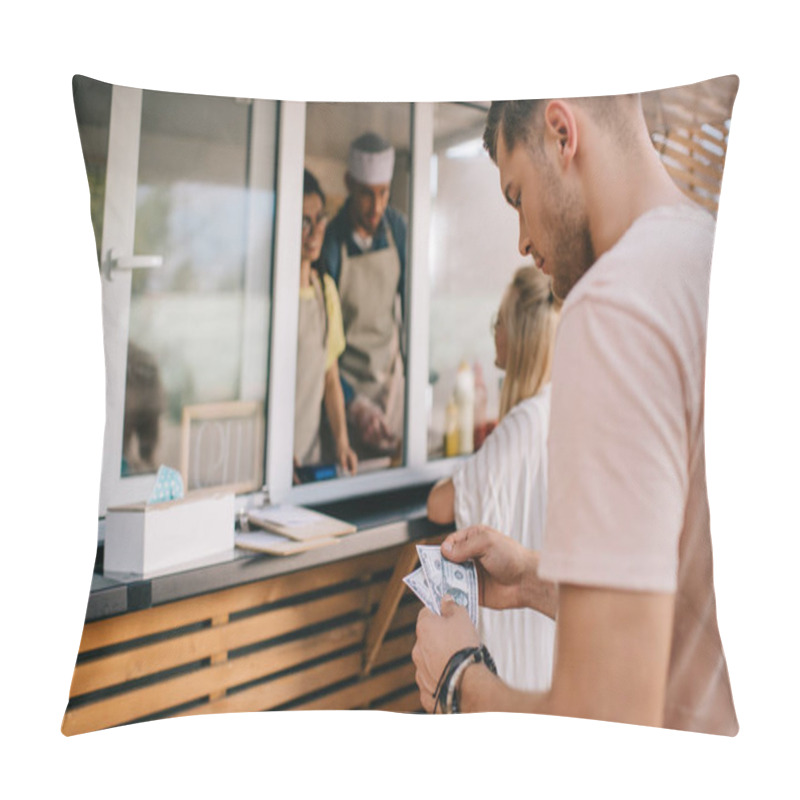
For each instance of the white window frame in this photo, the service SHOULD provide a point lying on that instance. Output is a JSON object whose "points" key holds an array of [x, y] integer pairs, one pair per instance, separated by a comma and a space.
{"points": [[119, 213], [119, 219], [416, 469]]}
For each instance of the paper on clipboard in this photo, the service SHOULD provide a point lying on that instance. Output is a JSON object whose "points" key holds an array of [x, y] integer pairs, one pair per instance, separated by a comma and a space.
{"points": [[277, 545], [300, 524]]}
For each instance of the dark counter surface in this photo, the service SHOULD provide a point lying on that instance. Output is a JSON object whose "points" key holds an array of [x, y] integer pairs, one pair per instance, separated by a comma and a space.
{"points": [[383, 521]]}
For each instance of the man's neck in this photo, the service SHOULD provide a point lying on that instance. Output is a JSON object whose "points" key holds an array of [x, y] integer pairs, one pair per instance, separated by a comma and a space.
{"points": [[619, 192], [363, 241], [357, 229]]}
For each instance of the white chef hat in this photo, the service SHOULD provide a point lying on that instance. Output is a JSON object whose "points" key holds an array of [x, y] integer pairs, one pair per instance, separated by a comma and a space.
{"points": [[371, 160]]}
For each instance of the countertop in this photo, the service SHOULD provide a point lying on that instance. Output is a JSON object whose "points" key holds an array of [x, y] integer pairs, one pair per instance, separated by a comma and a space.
{"points": [[382, 521]]}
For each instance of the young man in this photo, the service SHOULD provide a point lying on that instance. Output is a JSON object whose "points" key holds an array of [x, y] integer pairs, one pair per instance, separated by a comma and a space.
{"points": [[365, 253], [626, 567]]}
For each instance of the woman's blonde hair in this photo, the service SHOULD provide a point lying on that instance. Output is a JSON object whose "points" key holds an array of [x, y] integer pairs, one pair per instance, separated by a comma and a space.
{"points": [[529, 311]]}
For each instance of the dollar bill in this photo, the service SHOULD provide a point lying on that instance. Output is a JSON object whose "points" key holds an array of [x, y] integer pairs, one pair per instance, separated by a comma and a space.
{"points": [[430, 557], [417, 583], [460, 581], [440, 576]]}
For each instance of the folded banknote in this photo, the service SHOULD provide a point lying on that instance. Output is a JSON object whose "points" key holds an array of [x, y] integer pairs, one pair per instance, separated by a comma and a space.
{"points": [[437, 576]]}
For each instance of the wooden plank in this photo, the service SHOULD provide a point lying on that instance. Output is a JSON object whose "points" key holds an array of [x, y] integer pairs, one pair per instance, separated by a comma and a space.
{"points": [[689, 143], [694, 159], [688, 185], [183, 689], [219, 622], [693, 179], [408, 703], [220, 656], [398, 647], [374, 596], [699, 112], [407, 614], [136, 624], [406, 561], [282, 690], [214, 680], [214, 643], [130, 665], [363, 692], [705, 202], [714, 173]]}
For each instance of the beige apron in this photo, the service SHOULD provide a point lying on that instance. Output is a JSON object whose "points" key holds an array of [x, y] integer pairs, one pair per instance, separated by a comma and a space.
{"points": [[372, 362], [312, 350]]}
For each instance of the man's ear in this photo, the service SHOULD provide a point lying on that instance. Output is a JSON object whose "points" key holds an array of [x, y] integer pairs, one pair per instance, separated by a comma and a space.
{"points": [[561, 130], [348, 182]]}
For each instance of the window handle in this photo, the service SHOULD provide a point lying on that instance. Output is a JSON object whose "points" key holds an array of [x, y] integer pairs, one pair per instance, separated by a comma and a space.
{"points": [[115, 263]]}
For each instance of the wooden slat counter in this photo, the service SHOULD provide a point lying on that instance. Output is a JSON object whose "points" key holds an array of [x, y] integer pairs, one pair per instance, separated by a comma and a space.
{"points": [[331, 628]]}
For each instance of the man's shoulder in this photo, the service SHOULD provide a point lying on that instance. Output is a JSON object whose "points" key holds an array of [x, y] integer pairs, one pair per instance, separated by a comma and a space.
{"points": [[658, 267], [398, 224], [395, 217]]}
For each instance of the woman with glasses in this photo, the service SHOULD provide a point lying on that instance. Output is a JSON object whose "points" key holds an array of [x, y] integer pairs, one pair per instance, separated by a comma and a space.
{"points": [[504, 484], [320, 342]]}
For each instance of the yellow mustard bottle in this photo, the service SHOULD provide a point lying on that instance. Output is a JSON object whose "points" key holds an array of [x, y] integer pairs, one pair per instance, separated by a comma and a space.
{"points": [[451, 432]]}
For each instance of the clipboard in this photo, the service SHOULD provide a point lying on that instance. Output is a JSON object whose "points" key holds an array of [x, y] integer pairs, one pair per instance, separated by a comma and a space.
{"points": [[276, 545], [298, 523]]}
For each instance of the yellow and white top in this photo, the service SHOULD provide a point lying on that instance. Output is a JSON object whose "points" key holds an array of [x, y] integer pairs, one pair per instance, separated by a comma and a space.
{"points": [[335, 327]]}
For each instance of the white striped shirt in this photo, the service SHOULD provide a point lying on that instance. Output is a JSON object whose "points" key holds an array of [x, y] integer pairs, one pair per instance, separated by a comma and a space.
{"points": [[504, 486]]}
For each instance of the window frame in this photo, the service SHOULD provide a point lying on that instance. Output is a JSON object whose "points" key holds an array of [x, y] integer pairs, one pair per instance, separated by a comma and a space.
{"points": [[416, 469], [117, 241]]}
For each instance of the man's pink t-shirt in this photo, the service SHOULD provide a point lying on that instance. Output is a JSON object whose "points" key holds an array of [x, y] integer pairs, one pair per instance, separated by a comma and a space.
{"points": [[627, 503]]}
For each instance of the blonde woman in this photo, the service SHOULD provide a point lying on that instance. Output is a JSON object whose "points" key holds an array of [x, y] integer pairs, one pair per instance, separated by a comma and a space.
{"points": [[504, 484]]}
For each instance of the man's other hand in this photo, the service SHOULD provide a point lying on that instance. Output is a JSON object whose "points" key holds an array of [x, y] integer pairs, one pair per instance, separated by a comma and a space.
{"points": [[438, 637]]}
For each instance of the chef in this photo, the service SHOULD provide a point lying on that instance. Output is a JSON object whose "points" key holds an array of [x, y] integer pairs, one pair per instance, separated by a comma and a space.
{"points": [[365, 253]]}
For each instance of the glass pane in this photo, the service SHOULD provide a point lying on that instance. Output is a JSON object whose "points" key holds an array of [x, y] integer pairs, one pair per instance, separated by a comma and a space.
{"points": [[362, 247], [199, 323], [472, 258]]}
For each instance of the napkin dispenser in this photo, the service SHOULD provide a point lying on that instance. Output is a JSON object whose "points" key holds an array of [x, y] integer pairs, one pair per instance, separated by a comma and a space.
{"points": [[143, 538]]}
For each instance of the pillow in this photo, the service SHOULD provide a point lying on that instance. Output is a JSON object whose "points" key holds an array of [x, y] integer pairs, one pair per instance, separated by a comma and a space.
{"points": [[189, 183]]}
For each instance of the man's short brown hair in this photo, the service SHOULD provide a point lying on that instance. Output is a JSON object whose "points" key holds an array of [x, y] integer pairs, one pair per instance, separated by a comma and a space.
{"points": [[513, 118]]}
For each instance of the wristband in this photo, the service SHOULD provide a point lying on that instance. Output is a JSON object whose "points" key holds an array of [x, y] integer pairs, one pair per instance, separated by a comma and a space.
{"points": [[446, 696]]}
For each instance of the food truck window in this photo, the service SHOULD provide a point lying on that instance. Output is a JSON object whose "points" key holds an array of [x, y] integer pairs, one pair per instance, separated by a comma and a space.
{"points": [[183, 199], [350, 403]]}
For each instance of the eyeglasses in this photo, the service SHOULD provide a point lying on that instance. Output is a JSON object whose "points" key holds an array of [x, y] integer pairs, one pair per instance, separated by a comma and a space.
{"points": [[309, 223]]}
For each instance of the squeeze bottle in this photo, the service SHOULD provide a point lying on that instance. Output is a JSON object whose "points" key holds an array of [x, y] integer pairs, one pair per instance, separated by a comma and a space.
{"points": [[465, 400]]}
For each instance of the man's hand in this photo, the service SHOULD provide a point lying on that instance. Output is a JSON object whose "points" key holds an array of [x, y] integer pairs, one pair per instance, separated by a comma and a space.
{"points": [[507, 571], [370, 424], [438, 637]]}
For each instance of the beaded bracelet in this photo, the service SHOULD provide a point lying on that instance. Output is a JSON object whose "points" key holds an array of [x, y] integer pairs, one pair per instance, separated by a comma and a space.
{"points": [[446, 696]]}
